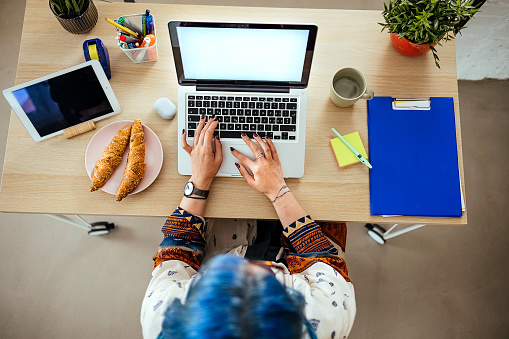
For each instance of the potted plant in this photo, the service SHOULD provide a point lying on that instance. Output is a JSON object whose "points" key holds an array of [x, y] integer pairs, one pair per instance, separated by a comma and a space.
{"points": [[76, 16], [416, 27]]}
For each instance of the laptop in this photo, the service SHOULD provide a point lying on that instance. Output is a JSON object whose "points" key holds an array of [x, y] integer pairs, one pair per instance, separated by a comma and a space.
{"points": [[253, 78]]}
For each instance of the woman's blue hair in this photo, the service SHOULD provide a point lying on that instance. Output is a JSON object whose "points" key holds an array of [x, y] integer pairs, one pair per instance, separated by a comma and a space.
{"points": [[228, 302]]}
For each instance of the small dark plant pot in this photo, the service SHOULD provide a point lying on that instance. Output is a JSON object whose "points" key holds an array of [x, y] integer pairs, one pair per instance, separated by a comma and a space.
{"points": [[409, 48], [81, 24]]}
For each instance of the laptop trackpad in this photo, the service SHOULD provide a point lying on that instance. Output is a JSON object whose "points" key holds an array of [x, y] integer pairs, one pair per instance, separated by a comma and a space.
{"points": [[228, 167]]}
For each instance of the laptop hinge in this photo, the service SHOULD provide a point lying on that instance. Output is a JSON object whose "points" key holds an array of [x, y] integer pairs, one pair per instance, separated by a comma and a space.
{"points": [[230, 88]]}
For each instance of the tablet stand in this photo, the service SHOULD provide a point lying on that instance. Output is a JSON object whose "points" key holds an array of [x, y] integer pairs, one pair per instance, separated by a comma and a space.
{"points": [[79, 129]]}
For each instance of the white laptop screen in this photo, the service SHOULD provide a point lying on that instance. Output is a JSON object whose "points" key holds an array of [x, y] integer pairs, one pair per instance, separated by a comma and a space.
{"points": [[249, 52], [242, 54]]}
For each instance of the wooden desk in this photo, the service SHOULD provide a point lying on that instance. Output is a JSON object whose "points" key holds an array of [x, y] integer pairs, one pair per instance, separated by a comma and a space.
{"points": [[50, 177]]}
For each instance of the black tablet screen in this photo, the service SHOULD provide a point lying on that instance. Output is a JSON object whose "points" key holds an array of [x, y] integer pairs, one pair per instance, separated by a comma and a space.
{"points": [[64, 101]]}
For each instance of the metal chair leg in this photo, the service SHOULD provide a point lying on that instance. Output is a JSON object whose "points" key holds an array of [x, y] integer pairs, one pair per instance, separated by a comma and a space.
{"points": [[96, 228], [380, 235]]}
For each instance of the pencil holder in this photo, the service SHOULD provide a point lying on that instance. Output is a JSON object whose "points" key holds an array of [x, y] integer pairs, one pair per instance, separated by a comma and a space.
{"points": [[141, 54]]}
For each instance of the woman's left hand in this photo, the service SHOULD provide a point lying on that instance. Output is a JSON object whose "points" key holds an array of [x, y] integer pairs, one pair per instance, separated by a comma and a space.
{"points": [[205, 163], [267, 176]]}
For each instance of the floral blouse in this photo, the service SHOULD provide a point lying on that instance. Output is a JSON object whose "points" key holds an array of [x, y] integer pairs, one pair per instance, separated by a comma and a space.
{"points": [[315, 268]]}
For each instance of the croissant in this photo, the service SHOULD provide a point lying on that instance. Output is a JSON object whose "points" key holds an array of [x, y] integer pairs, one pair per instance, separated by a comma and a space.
{"points": [[111, 158], [135, 167]]}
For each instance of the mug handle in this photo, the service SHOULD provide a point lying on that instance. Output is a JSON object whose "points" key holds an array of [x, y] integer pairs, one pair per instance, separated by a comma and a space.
{"points": [[369, 94]]}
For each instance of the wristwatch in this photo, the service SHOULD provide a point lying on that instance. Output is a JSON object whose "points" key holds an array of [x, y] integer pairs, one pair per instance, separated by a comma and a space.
{"points": [[190, 190]]}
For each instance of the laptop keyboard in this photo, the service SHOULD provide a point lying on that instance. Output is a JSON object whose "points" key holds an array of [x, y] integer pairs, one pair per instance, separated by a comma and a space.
{"points": [[273, 116]]}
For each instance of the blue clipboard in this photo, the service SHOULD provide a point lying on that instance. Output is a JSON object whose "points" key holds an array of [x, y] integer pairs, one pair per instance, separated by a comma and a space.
{"points": [[415, 159]]}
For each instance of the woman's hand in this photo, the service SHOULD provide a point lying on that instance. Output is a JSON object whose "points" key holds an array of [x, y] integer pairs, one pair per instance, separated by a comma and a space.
{"points": [[267, 175], [204, 162]]}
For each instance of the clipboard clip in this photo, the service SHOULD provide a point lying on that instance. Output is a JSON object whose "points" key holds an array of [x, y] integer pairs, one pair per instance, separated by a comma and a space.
{"points": [[411, 104]]}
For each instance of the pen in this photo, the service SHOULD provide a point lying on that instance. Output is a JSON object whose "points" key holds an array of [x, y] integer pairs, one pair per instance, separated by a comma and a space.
{"points": [[357, 154], [150, 24], [147, 22], [144, 22], [122, 28]]}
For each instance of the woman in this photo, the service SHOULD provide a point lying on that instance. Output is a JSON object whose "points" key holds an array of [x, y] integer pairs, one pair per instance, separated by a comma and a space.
{"points": [[231, 297]]}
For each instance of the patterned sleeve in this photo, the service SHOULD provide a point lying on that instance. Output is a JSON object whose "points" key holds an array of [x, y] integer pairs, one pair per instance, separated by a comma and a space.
{"points": [[306, 236], [309, 245], [183, 239]]}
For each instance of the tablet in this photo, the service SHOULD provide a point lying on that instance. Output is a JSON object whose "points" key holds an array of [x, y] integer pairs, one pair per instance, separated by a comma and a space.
{"points": [[48, 105]]}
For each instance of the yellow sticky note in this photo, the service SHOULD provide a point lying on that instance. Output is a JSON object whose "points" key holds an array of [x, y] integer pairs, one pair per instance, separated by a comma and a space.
{"points": [[344, 155]]}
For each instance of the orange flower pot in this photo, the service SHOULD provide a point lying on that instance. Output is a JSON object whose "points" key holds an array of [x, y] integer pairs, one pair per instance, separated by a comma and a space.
{"points": [[408, 48]]}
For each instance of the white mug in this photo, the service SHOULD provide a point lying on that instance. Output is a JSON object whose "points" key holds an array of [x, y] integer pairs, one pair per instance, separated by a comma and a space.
{"points": [[349, 85]]}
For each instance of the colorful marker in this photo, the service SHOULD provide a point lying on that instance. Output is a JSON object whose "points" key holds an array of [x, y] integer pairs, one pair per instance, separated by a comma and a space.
{"points": [[125, 22], [124, 29]]}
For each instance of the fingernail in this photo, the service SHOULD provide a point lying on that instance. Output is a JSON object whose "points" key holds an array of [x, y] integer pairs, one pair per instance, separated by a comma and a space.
{"points": [[213, 116], [237, 164], [183, 131], [217, 137], [267, 137], [202, 116], [232, 149], [243, 134], [255, 135]]}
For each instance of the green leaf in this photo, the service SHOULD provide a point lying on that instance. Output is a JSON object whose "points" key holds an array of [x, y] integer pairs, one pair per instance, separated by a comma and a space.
{"points": [[77, 9], [426, 21], [59, 7], [68, 5]]}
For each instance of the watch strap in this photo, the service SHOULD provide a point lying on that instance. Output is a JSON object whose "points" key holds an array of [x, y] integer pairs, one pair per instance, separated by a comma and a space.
{"points": [[190, 197], [201, 193]]}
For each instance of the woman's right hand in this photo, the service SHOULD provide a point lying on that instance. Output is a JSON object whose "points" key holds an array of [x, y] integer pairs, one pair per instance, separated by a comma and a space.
{"points": [[204, 162], [267, 176]]}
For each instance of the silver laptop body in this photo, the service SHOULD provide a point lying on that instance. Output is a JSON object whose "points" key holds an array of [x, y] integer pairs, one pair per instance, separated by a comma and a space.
{"points": [[253, 78]]}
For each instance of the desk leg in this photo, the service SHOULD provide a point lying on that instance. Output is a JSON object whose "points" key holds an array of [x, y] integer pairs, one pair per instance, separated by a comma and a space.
{"points": [[95, 228], [380, 235]]}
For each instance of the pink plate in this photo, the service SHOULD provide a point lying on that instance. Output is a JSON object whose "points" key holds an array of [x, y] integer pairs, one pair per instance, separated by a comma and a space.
{"points": [[153, 156]]}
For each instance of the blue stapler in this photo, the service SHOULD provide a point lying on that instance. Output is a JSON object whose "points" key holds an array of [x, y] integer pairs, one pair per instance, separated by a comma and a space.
{"points": [[95, 49]]}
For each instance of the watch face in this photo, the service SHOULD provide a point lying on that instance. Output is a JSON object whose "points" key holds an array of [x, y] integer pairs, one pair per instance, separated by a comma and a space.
{"points": [[188, 188]]}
